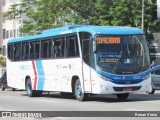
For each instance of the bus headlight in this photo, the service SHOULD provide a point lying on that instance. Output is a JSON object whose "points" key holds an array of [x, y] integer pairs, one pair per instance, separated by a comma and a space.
{"points": [[146, 77], [104, 78]]}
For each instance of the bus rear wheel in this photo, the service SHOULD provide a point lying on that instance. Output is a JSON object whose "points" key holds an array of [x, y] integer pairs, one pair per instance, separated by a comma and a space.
{"points": [[30, 92], [122, 96], [80, 96]]}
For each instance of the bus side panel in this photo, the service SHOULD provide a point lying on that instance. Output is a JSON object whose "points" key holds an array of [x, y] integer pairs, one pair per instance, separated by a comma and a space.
{"points": [[57, 74], [46, 75], [16, 73]]}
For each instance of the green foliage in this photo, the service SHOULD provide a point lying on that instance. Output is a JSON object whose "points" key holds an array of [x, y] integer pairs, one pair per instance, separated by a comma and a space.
{"points": [[42, 14], [2, 61]]}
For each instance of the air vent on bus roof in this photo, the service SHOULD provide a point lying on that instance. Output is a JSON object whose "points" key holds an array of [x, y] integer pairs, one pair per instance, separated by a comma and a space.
{"points": [[64, 28]]}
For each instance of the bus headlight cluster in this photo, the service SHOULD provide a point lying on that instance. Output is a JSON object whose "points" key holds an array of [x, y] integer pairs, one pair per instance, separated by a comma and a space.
{"points": [[104, 78], [146, 77]]}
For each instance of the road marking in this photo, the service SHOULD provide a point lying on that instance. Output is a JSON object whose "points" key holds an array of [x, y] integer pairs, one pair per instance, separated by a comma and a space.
{"points": [[62, 118], [133, 110], [4, 109], [47, 101]]}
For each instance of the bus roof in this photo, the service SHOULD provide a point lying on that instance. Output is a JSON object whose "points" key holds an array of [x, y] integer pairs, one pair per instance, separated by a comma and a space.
{"points": [[110, 30]]}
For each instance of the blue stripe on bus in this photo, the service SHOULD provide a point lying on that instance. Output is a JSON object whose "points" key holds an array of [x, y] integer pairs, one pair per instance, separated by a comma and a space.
{"points": [[41, 76], [124, 77]]}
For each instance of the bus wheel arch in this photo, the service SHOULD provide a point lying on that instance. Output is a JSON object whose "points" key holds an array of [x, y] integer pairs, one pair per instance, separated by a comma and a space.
{"points": [[30, 91], [77, 90], [74, 78]]}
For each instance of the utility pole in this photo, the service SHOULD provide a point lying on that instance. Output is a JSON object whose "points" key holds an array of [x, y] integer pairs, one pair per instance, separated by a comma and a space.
{"points": [[142, 15]]}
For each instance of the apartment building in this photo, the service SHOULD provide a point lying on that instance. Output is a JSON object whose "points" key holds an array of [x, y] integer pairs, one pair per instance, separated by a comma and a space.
{"points": [[9, 28]]}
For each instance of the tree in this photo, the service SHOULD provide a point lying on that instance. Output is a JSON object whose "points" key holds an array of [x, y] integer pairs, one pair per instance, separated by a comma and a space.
{"points": [[2, 61], [42, 14]]}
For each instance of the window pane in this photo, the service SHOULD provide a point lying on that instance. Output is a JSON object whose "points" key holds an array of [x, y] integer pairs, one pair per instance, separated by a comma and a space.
{"points": [[10, 52], [86, 51], [72, 46], [46, 49], [25, 51], [59, 47], [37, 46], [32, 56], [17, 50], [34, 50]]}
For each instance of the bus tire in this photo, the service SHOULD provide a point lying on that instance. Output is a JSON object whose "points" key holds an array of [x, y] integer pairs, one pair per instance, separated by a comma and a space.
{"points": [[30, 92], [152, 91], [80, 96], [122, 96]]}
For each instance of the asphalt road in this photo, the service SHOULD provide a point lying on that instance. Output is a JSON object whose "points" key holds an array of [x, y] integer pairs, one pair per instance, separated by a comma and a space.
{"points": [[18, 101]]}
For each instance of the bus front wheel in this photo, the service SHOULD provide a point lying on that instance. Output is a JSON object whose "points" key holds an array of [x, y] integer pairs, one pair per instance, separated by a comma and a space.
{"points": [[80, 96], [122, 96], [30, 92]]}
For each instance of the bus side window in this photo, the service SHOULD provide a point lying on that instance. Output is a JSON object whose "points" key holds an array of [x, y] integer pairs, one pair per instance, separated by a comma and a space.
{"points": [[17, 51], [25, 51], [46, 49], [10, 52], [34, 50], [72, 46], [59, 47]]}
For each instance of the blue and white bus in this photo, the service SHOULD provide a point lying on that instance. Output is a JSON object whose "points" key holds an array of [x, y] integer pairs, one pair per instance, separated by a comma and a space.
{"points": [[81, 60]]}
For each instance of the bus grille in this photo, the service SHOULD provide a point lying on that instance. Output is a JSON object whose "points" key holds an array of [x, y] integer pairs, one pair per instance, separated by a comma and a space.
{"points": [[124, 82], [123, 88]]}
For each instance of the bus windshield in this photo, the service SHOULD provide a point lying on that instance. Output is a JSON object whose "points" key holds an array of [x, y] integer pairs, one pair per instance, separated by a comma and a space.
{"points": [[122, 53]]}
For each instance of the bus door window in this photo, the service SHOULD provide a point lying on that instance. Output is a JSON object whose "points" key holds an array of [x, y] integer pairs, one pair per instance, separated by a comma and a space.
{"points": [[85, 42], [46, 49], [59, 47], [17, 51], [10, 52], [25, 51], [72, 46]]}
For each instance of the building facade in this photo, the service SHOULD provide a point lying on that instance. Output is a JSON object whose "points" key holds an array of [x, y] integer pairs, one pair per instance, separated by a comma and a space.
{"points": [[9, 28]]}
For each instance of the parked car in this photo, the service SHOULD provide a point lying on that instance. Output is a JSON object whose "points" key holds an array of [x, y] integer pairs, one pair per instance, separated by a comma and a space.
{"points": [[155, 79]]}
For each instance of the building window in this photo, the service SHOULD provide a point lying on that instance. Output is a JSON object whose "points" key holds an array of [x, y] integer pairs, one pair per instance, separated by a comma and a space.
{"points": [[11, 33], [4, 33], [7, 34]]}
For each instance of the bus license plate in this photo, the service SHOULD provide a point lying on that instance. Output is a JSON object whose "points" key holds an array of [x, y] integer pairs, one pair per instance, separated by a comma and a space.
{"points": [[127, 89]]}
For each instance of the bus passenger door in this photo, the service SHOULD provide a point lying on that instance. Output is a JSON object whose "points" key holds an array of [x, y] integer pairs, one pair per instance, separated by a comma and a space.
{"points": [[86, 65]]}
